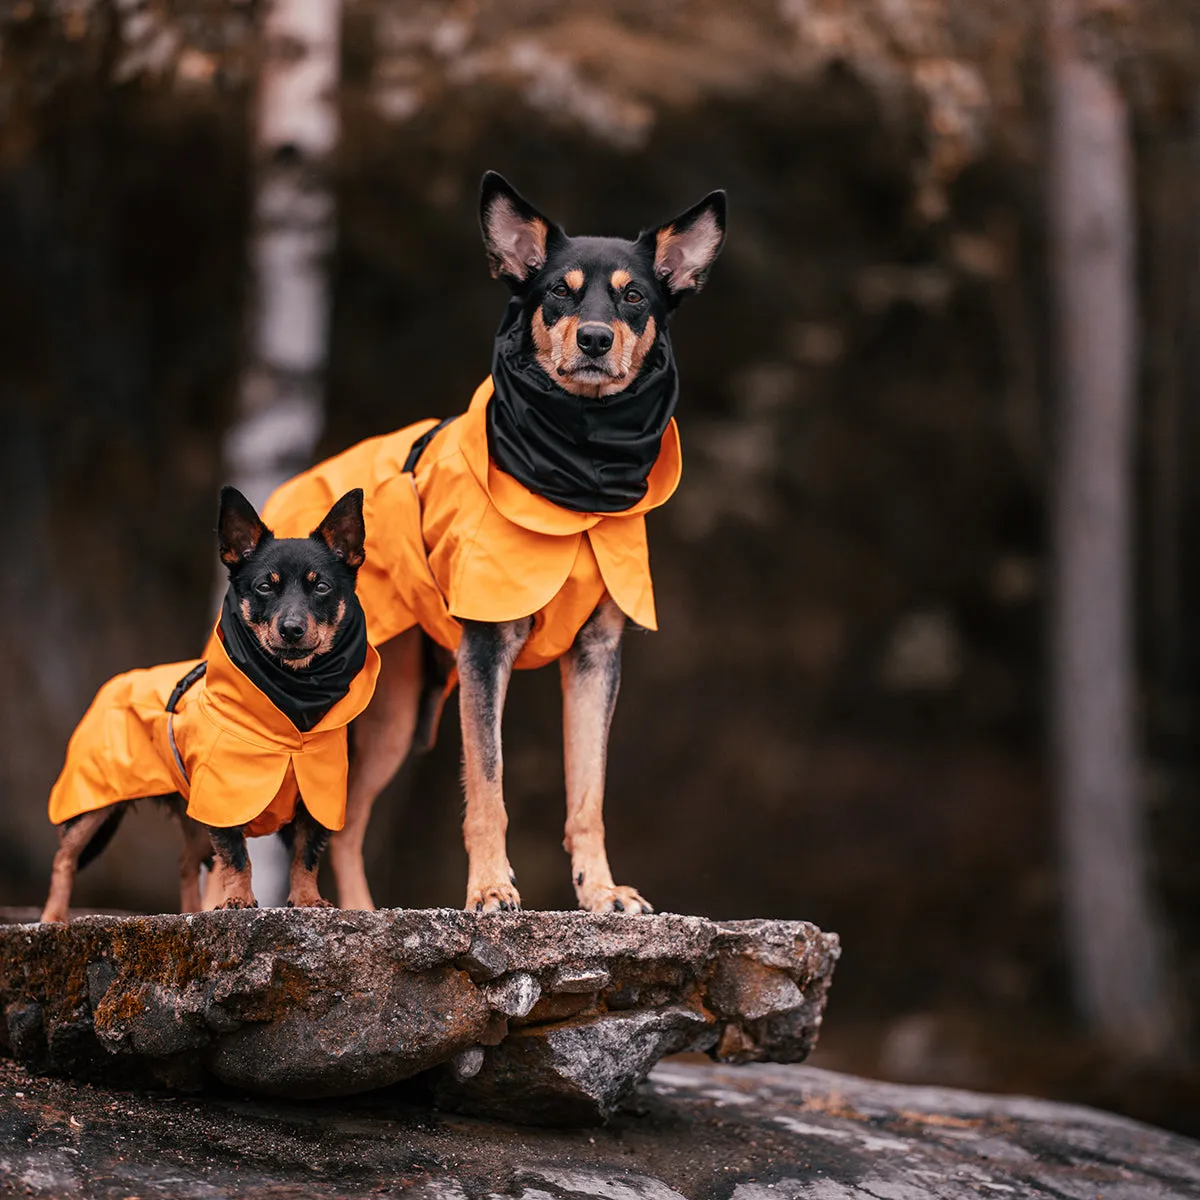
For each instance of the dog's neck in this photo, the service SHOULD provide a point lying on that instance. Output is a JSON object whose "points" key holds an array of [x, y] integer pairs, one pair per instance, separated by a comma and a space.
{"points": [[586, 455], [303, 695]]}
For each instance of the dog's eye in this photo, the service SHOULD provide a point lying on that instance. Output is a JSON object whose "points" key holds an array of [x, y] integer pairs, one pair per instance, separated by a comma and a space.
{"points": [[323, 588], [264, 588], [560, 290], [633, 296]]}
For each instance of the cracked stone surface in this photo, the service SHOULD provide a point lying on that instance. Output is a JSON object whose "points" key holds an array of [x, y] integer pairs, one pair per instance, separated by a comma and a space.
{"points": [[696, 1130], [550, 1018]]}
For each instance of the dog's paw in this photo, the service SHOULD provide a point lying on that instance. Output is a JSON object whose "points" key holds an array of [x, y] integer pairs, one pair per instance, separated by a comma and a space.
{"points": [[309, 902], [613, 899], [497, 897], [52, 916], [237, 902]]}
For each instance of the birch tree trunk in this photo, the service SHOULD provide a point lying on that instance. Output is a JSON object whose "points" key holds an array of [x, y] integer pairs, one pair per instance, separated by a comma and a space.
{"points": [[1112, 937], [281, 400]]}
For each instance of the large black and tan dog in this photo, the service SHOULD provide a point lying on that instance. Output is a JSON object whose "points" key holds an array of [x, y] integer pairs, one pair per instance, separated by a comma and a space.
{"points": [[248, 741], [513, 535]]}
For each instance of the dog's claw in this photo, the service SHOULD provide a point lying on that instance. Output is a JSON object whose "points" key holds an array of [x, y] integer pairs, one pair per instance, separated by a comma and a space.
{"points": [[498, 897], [613, 899]]}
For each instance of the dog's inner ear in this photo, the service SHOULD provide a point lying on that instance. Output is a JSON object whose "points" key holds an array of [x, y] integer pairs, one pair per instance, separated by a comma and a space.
{"points": [[239, 528], [342, 529], [515, 234], [685, 248]]}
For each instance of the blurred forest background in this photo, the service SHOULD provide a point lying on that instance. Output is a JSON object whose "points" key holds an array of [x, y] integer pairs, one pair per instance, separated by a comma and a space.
{"points": [[952, 347]]}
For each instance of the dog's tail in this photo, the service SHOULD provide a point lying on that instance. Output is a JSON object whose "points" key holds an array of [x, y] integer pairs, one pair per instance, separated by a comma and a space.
{"points": [[102, 836]]}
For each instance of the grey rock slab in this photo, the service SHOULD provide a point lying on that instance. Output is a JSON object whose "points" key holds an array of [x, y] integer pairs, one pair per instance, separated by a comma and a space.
{"points": [[702, 1132], [536, 1017], [566, 1074]]}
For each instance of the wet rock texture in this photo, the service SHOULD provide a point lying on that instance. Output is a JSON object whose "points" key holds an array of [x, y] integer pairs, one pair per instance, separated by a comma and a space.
{"points": [[698, 1131], [549, 1018]]}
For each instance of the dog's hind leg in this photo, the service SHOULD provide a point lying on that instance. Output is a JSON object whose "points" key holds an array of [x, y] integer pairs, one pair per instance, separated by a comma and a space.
{"points": [[197, 851], [380, 741], [591, 678], [231, 867], [309, 839], [73, 839], [485, 662]]}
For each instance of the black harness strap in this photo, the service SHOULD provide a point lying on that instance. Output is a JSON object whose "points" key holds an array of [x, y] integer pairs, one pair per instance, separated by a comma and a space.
{"points": [[192, 677], [418, 447]]}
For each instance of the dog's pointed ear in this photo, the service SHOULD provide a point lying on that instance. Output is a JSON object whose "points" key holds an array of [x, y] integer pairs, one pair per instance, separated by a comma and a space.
{"points": [[240, 530], [517, 237], [343, 530], [685, 248]]}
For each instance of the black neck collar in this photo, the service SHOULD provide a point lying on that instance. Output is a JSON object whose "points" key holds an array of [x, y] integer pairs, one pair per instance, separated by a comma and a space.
{"points": [[582, 454], [304, 696]]}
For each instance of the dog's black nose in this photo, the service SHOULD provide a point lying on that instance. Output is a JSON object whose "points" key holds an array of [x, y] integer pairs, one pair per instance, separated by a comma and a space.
{"points": [[291, 630], [594, 338]]}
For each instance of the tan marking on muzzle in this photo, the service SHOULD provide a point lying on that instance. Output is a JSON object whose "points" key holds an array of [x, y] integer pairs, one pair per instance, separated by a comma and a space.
{"points": [[326, 633], [557, 350]]}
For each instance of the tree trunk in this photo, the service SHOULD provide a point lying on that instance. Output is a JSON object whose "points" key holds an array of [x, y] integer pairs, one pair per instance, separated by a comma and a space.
{"points": [[1112, 937], [280, 409]]}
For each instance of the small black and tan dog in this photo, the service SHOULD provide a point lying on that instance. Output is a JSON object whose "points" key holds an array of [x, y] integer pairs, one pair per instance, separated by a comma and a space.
{"points": [[249, 740], [513, 535]]}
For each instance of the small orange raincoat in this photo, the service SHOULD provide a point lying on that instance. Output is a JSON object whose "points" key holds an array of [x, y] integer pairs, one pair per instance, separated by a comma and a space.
{"points": [[226, 749], [458, 539]]}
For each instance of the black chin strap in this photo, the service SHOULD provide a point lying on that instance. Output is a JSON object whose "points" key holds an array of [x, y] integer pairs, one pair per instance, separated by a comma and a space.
{"points": [[585, 455]]}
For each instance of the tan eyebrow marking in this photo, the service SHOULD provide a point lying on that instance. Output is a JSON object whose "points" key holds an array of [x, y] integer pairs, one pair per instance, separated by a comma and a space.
{"points": [[574, 279], [312, 577], [620, 278], [274, 576]]}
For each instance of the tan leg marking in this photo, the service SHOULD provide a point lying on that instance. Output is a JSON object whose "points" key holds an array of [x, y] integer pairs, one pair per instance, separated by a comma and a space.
{"points": [[591, 678], [71, 843], [485, 661], [196, 848], [382, 739], [308, 843], [231, 866]]}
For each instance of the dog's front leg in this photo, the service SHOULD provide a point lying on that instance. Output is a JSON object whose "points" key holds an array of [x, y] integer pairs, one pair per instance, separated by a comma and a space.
{"points": [[591, 678], [231, 867], [485, 661], [309, 839]]}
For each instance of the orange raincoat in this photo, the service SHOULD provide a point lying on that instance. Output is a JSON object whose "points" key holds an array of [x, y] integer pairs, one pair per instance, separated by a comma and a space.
{"points": [[458, 539], [235, 757]]}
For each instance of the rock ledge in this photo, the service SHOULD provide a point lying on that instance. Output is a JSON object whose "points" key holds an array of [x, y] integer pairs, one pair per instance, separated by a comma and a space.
{"points": [[538, 1017]]}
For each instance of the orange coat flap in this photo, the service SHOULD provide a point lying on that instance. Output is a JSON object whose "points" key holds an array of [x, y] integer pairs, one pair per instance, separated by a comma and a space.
{"points": [[623, 555], [119, 750], [232, 780], [498, 571], [235, 781], [321, 776]]}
